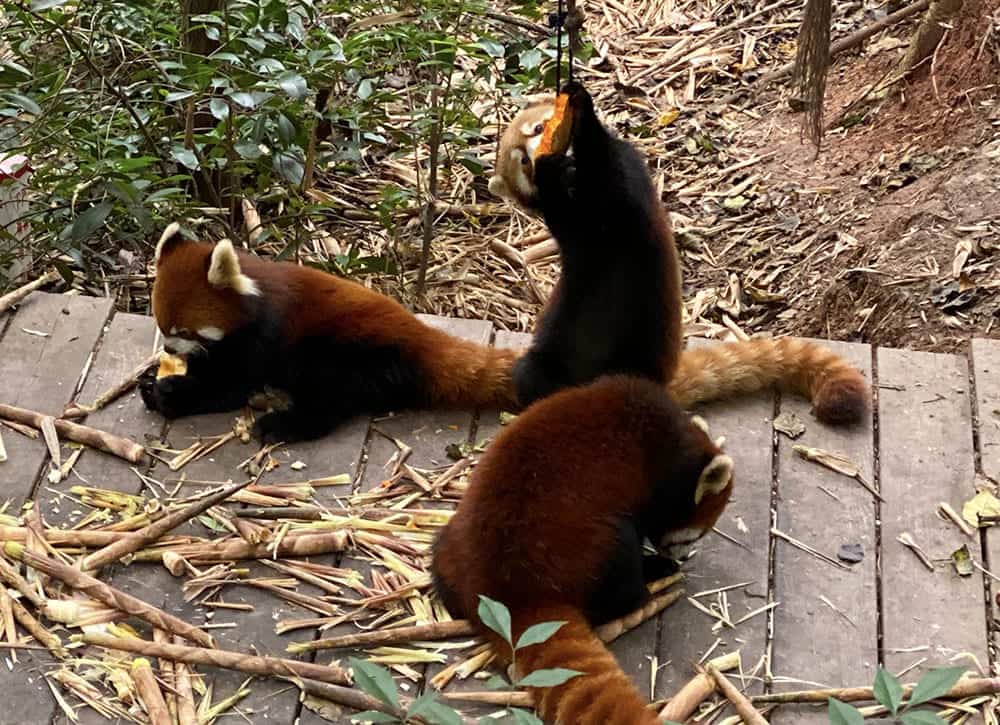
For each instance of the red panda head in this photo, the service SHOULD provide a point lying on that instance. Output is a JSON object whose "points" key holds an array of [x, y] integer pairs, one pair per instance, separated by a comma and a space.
{"points": [[707, 496], [201, 294], [514, 175]]}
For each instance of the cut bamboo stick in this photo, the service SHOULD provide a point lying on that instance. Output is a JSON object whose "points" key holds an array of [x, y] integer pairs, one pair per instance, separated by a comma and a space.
{"points": [[236, 549], [14, 579], [35, 628], [106, 594], [134, 541], [396, 635], [698, 689], [187, 711], [615, 629], [240, 661], [68, 537], [79, 410], [99, 439], [348, 696], [967, 687], [12, 298], [149, 692], [739, 701]]}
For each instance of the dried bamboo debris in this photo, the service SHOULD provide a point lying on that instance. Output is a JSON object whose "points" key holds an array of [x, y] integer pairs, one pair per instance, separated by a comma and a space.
{"points": [[134, 541], [241, 661], [120, 600]]}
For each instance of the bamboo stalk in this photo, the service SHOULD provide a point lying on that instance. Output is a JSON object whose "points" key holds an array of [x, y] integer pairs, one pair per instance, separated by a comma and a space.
{"points": [[79, 410], [615, 629], [348, 696], [967, 687], [107, 594], [396, 635], [511, 698], [82, 538], [35, 628], [235, 549], [298, 513], [10, 574], [99, 439], [698, 689], [167, 676], [134, 541], [240, 661], [187, 711], [740, 703], [12, 298], [149, 692]]}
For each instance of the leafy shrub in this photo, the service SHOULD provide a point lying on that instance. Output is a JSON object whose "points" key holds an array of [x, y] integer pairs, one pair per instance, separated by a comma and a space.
{"points": [[133, 115]]}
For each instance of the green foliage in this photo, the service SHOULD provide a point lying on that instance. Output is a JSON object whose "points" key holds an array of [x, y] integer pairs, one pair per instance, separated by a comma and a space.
{"points": [[377, 681], [496, 616], [889, 693], [132, 115]]}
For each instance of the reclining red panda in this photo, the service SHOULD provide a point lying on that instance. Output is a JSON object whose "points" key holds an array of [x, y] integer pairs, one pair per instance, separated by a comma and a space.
{"points": [[617, 306], [334, 347], [553, 522]]}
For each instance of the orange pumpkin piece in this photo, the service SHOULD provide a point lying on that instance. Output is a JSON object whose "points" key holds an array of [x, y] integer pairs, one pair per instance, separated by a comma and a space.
{"points": [[556, 135]]}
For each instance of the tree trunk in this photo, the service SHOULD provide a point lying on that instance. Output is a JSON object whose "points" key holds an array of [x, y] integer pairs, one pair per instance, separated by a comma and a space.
{"points": [[929, 33]]}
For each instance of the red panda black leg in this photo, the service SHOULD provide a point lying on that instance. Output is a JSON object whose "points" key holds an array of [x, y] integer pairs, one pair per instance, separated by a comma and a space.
{"points": [[621, 587], [535, 377]]}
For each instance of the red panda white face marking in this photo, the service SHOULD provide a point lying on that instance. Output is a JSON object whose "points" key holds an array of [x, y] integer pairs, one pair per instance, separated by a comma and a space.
{"points": [[514, 177], [710, 497]]}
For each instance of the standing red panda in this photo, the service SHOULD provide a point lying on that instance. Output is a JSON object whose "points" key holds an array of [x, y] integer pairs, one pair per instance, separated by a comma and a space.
{"points": [[617, 305], [334, 347], [552, 526]]}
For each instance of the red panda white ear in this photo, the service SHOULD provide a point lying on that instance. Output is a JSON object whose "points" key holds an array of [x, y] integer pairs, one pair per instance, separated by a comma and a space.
{"points": [[224, 270], [715, 477], [167, 239]]}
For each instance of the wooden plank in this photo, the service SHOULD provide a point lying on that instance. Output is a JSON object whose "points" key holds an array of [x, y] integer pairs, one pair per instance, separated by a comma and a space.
{"points": [[926, 456], [40, 371], [986, 370], [127, 342], [685, 632], [813, 642], [428, 433]]}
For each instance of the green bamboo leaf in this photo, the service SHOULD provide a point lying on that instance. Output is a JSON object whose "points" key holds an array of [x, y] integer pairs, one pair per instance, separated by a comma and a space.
{"points": [[840, 713], [495, 616], [888, 691], [375, 680], [538, 633], [934, 684], [548, 678]]}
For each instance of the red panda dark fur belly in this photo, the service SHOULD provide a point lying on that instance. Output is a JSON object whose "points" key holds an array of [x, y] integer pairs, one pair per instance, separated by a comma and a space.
{"points": [[552, 526]]}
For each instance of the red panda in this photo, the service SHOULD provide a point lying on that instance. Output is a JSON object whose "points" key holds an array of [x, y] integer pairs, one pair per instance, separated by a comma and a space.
{"points": [[553, 522], [334, 347], [617, 306]]}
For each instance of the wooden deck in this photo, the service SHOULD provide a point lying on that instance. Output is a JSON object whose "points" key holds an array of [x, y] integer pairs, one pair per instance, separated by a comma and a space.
{"points": [[935, 428]]}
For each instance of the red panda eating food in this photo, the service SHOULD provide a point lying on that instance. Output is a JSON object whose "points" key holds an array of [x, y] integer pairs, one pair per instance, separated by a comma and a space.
{"points": [[553, 522], [617, 305], [335, 348]]}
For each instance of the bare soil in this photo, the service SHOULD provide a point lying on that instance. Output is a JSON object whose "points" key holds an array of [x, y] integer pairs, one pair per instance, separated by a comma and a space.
{"points": [[870, 228]]}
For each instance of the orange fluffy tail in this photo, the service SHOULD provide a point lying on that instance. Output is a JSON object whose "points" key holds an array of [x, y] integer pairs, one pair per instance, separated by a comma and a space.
{"points": [[838, 391], [602, 695], [466, 375]]}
